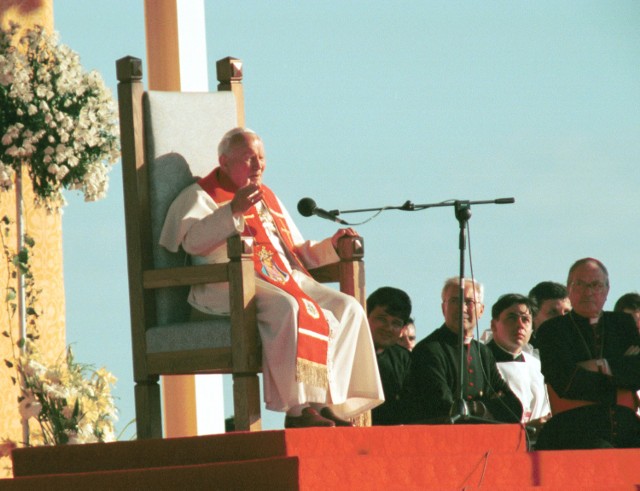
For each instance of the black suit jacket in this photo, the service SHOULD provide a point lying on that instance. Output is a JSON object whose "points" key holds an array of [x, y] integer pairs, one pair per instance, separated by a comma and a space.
{"points": [[393, 365], [434, 375], [565, 341]]}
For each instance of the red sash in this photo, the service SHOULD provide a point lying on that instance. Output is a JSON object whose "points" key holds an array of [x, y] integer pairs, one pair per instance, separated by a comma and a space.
{"points": [[313, 328]]}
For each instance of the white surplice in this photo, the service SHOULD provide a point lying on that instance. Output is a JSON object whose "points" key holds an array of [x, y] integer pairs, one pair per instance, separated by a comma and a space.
{"points": [[195, 222], [527, 382]]}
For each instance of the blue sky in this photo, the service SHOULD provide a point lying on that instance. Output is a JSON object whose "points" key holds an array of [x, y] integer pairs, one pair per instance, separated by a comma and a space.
{"points": [[365, 104]]}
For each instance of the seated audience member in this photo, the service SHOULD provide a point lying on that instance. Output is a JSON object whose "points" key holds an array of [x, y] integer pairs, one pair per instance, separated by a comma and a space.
{"points": [[591, 363], [388, 311], [550, 300], [434, 380], [629, 303], [511, 325], [408, 337], [318, 360]]}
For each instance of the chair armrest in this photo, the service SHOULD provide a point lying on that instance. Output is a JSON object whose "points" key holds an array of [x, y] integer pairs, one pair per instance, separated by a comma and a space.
{"points": [[329, 273], [185, 276], [350, 249], [240, 249]]}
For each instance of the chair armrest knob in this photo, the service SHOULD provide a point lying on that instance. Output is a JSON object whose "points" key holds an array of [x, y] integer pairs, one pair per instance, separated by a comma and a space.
{"points": [[350, 248], [239, 247], [229, 71]]}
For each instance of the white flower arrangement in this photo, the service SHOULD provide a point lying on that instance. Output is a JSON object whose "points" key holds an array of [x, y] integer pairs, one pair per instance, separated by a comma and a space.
{"points": [[56, 118], [71, 402]]}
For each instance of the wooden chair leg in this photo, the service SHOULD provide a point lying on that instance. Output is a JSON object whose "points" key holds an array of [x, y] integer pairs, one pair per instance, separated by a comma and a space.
{"points": [[363, 419], [148, 410], [246, 401]]}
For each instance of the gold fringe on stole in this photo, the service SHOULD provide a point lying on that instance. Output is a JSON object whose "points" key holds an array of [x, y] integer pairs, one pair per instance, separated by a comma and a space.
{"points": [[309, 372]]}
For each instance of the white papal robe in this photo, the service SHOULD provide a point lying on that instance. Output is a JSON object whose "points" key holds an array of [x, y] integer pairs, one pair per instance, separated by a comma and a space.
{"points": [[195, 222]]}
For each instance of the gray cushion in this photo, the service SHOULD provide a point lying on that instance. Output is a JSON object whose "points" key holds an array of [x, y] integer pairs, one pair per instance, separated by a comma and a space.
{"points": [[215, 333], [182, 131]]}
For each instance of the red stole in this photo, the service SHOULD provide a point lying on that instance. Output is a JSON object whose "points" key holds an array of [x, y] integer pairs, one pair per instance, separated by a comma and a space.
{"points": [[313, 328]]}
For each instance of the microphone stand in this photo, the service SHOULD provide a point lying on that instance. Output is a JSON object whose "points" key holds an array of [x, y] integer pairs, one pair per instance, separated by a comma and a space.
{"points": [[459, 412], [460, 409]]}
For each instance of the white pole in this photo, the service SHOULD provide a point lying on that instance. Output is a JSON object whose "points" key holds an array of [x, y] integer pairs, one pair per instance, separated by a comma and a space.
{"points": [[22, 311]]}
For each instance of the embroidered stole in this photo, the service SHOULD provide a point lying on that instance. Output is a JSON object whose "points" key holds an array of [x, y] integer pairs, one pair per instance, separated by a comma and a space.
{"points": [[313, 328]]}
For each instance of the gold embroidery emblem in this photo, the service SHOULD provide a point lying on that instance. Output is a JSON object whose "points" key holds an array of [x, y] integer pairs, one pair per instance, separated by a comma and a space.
{"points": [[269, 269], [311, 309]]}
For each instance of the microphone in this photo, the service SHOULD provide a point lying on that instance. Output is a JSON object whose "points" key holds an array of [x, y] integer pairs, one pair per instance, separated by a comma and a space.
{"points": [[307, 207]]}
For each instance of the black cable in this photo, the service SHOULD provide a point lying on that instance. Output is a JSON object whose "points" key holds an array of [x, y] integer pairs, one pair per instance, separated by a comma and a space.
{"points": [[475, 306]]}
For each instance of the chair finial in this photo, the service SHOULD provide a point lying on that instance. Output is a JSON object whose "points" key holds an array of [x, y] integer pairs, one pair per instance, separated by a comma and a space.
{"points": [[229, 71], [129, 69]]}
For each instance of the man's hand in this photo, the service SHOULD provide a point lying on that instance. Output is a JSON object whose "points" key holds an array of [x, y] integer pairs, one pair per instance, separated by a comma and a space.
{"points": [[477, 408], [632, 351], [245, 198], [538, 423], [349, 232], [599, 365]]}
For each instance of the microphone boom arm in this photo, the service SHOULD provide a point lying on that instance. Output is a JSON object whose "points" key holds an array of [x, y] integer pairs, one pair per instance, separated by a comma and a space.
{"points": [[409, 206]]}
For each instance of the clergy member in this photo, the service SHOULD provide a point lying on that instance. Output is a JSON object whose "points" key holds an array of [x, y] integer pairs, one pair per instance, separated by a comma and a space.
{"points": [[319, 365], [511, 327], [591, 363], [436, 385]]}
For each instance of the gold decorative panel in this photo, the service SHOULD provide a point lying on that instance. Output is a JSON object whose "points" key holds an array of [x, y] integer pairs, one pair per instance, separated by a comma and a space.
{"points": [[46, 230]]}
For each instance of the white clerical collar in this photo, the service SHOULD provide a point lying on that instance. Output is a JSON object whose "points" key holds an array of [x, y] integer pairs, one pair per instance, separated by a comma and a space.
{"points": [[512, 355]]}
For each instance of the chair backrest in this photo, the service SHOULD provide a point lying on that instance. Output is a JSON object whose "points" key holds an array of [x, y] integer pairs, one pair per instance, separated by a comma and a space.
{"points": [[180, 147]]}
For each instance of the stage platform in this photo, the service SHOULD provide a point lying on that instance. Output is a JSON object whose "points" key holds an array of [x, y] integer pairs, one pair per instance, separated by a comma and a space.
{"points": [[434, 457]]}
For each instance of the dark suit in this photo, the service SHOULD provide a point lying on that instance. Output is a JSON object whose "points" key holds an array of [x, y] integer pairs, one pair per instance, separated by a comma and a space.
{"points": [[567, 340], [434, 375], [393, 365]]}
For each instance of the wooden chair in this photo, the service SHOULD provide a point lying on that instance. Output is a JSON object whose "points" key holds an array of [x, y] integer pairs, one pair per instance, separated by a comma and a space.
{"points": [[168, 140]]}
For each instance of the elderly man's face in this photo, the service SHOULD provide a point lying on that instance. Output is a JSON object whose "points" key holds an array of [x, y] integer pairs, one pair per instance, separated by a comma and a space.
{"points": [[472, 308], [588, 289], [550, 308], [244, 163], [513, 328]]}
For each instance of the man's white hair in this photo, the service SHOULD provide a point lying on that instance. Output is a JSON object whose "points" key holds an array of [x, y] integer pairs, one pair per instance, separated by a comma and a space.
{"points": [[228, 139], [455, 281]]}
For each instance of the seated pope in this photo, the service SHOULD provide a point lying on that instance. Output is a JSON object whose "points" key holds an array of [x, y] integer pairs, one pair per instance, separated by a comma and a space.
{"points": [[318, 361]]}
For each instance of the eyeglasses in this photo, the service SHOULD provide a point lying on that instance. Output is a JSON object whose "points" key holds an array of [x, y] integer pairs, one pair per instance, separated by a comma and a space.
{"points": [[469, 302], [595, 286]]}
